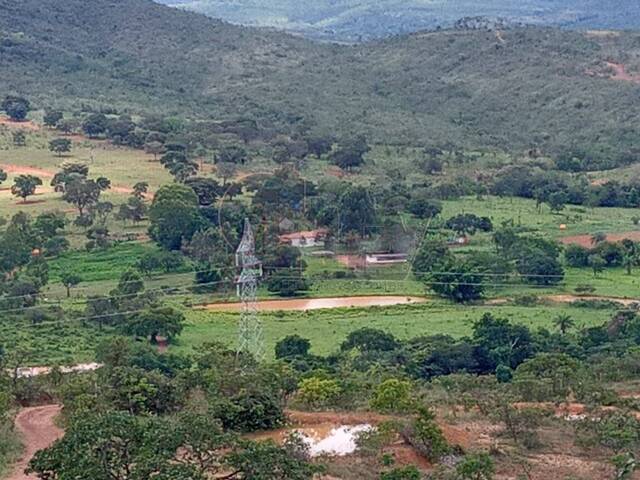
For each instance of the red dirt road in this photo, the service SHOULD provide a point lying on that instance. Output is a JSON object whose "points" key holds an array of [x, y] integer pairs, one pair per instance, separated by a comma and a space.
{"points": [[26, 125], [36, 425], [585, 240]]}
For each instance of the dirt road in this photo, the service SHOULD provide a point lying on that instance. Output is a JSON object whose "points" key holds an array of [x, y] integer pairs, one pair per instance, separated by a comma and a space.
{"points": [[36, 425]]}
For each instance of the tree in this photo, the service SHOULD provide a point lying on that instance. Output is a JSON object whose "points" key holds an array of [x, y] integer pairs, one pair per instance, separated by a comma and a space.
{"points": [[393, 396], [134, 209], [369, 340], [318, 392], [287, 282], [457, 280], [179, 165], [232, 154], [597, 264], [539, 267], [564, 323], [226, 170], [174, 216], [3, 176], [426, 437], [154, 148], [140, 189], [83, 192], [429, 258], [165, 321], [557, 201], [16, 107], [468, 223], [292, 346], [130, 283], [69, 170], [25, 185], [357, 211], [206, 189], [60, 146], [95, 124], [69, 280], [501, 343], [477, 466], [350, 153], [52, 117]]}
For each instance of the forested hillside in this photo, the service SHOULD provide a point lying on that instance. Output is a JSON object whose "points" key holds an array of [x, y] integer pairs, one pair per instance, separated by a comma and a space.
{"points": [[353, 20], [512, 89]]}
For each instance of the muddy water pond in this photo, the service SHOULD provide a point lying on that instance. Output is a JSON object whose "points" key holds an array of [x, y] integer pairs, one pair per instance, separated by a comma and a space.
{"points": [[322, 439], [301, 304]]}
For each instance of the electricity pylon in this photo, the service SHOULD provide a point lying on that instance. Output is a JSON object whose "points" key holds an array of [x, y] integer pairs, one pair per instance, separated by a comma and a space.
{"points": [[250, 339]]}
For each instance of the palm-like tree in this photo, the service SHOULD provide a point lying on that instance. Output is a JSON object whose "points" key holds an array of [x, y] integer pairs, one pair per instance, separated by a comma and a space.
{"points": [[564, 323]]}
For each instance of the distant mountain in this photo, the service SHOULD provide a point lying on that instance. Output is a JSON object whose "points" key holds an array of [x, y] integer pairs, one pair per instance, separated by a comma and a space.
{"points": [[352, 20], [472, 87]]}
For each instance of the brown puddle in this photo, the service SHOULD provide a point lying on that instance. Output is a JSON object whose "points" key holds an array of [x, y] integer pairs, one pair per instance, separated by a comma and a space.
{"points": [[301, 304], [322, 439]]}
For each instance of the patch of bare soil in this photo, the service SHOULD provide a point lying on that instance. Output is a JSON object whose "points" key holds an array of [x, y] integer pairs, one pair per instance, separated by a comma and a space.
{"points": [[585, 240], [26, 125], [304, 304], [38, 430], [615, 71]]}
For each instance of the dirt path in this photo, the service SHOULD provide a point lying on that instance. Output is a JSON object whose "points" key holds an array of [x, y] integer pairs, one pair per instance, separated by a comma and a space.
{"points": [[303, 304], [26, 125], [569, 298], [38, 430]]}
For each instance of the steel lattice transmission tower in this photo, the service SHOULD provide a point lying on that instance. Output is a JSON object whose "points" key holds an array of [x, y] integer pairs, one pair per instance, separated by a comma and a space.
{"points": [[250, 271]]}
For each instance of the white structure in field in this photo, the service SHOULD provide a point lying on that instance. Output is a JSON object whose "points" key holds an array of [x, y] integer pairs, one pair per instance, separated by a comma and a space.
{"points": [[311, 238]]}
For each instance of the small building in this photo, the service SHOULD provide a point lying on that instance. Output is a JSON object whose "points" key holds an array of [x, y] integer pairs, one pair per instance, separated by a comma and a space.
{"points": [[311, 238], [386, 258]]}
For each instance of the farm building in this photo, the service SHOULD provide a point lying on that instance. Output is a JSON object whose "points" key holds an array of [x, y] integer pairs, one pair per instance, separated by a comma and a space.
{"points": [[386, 258], [311, 238]]}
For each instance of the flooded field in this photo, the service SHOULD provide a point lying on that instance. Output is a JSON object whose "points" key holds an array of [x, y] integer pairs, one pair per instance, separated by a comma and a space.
{"points": [[301, 304]]}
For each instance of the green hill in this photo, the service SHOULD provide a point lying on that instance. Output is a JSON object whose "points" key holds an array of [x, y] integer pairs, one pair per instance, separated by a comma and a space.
{"points": [[512, 89]]}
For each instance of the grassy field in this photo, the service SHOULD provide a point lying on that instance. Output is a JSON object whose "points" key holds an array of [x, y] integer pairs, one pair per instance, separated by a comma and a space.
{"points": [[328, 328]]}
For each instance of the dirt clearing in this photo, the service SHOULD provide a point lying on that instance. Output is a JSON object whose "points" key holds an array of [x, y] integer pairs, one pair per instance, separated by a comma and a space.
{"points": [[586, 241], [38, 430]]}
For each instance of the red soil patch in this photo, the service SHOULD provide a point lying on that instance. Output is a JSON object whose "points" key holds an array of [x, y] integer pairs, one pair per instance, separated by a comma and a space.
{"points": [[615, 71], [26, 125], [21, 170], [30, 202], [585, 240], [38, 430]]}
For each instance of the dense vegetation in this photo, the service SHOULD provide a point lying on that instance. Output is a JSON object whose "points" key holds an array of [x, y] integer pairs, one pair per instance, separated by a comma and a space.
{"points": [[525, 88]]}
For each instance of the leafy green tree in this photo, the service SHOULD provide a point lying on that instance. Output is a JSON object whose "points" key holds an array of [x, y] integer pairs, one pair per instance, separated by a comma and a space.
{"points": [[25, 185], [158, 321], [557, 201], [550, 377], [429, 257], [616, 430], [232, 154], [134, 210], [287, 282], [16, 107], [370, 340], [478, 466], [130, 283], [52, 117], [318, 392], [350, 153], [174, 216], [70, 280], [469, 224], [501, 342], [69, 171], [539, 267], [83, 192], [60, 146], [458, 280], [95, 125], [393, 396], [292, 346], [226, 170], [357, 211], [426, 436], [206, 189]]}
